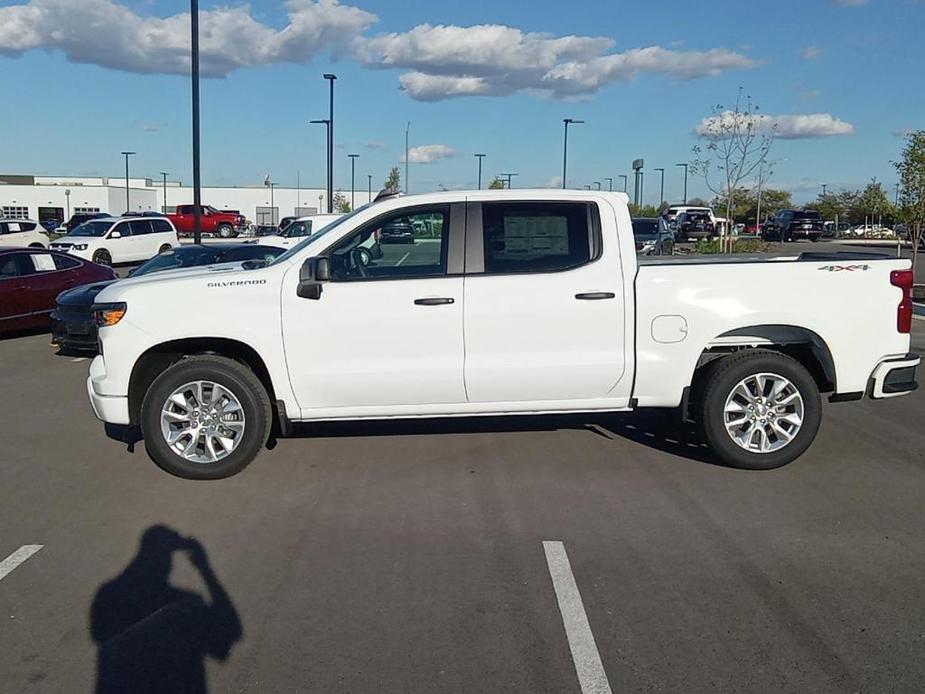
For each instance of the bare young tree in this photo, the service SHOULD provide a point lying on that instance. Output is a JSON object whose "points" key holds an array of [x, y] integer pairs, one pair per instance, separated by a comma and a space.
{"points": [[738, 141]]}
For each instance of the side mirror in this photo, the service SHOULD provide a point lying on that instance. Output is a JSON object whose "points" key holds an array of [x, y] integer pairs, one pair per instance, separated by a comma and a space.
{"points": [[115, 235], [313, 273]]}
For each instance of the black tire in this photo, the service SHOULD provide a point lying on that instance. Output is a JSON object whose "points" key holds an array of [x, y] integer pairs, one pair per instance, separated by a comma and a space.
{"points": [[814, 239], [163, 249], [228, 373], [102, 257], [36, 245], [718, 382], [225, 231]]}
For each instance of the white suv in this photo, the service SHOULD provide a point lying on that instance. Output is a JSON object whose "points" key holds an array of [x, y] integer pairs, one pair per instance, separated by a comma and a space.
{"points": [[22, 233], [119, 239], [298, 229]]}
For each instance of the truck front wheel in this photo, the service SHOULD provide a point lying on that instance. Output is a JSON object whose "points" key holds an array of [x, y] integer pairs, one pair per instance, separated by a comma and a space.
{"points": [[226, 231], [759, 409], [205, 417]]}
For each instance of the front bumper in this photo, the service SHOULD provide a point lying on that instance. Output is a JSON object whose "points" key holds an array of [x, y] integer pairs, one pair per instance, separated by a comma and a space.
{"points": [[107, 408], [894, 376]]}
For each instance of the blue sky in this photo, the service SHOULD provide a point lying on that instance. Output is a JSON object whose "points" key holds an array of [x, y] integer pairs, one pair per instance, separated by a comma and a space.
{"points": [[88, 78]]}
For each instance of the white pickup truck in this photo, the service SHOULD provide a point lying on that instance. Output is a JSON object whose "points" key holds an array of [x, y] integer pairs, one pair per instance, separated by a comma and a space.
{"points": [[510, 302]]}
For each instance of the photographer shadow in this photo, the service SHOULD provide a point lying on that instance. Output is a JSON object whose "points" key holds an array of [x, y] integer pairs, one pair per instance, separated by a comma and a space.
{"points": [[153, 637]]}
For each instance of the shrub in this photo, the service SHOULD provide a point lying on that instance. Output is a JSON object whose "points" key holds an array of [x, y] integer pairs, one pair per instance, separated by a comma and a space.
{"points": [[738, 246]]}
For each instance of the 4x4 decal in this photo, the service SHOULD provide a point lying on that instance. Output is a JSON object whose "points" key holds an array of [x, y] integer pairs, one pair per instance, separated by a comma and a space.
{"points": [[845, 268]]}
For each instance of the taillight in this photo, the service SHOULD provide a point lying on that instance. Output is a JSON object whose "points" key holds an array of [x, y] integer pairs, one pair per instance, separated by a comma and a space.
{"points": [[903, 279]]}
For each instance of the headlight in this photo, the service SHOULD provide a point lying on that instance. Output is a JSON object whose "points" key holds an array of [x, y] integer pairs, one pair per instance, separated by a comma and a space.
{"points": [[79, 247], [107, 315]]}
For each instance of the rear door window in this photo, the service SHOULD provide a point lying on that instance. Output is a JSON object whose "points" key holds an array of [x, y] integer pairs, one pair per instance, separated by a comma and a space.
{"points": [[140, 227], [161, 226], [536, 236]]}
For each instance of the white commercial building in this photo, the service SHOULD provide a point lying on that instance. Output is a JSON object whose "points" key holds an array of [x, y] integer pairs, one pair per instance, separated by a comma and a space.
{"points": [[58, 197]]}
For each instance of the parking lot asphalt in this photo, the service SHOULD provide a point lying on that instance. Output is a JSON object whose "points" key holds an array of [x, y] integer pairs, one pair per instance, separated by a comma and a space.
{"points": [[409, 556]]}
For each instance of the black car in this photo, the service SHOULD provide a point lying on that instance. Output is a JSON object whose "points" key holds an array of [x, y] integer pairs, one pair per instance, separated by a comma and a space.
{"points": [[397, 231], [694, 225], [789, 225], [265, 230], [653, 237], [285, 222], [72, 325], [78, 219]]}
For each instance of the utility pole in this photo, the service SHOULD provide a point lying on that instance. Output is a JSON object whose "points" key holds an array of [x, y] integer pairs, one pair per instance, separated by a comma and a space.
{"points": [[194, 70], [685, 181], [331, 78], [127, 205], [164, 207], [480, 157], [609, 180], [407, 130], [661, 194], [567, 122], [353, 162], [625, 179], [758, 216]]}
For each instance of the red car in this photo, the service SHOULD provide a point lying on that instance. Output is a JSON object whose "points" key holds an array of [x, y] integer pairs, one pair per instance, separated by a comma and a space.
{"points": [[31, 278], [211, 221]]}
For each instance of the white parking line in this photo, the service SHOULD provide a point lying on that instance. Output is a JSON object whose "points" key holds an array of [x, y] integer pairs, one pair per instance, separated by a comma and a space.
{"points": [[403, 259], [591, 676], [17, 558]]}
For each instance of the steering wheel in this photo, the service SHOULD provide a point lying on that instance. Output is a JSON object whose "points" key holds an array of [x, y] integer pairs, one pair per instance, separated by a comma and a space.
{"points": [[359, 262]]}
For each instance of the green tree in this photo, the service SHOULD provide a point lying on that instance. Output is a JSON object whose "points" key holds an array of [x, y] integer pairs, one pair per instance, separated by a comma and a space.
{"points": [[745, 205], [874, 203], [911, 170], [495, 184], [393, 180], [341, 204], [643, 210]]}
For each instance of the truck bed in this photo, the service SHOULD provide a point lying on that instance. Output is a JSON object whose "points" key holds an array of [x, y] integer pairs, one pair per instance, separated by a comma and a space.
{"points": [[739, 258]]}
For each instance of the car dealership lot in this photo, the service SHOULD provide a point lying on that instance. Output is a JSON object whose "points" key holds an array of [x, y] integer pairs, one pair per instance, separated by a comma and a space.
{"points": [[408, 556]]}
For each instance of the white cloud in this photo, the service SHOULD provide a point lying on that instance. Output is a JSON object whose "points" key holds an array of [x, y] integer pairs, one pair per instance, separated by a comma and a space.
{"points": [[103, 32], [439, 62], [150, 127], [790, 127], [810, 94], [496, 60], [810, 52], [427, 154], [374, 145]]}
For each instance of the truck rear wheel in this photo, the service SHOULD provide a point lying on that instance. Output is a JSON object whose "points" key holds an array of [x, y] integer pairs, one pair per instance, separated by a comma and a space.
{"points": [[205, 417], [759, 409]]}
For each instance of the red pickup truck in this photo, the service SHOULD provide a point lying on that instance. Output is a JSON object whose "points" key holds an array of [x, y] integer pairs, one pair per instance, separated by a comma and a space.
{"points": [[212, 221]]}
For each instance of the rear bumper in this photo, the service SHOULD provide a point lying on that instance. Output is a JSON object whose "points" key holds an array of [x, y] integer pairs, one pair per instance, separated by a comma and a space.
{"points": [[894, 376]]}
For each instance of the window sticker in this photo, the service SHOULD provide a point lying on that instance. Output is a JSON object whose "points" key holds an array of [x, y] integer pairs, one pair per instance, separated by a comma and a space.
{"points": [[43, 262]]}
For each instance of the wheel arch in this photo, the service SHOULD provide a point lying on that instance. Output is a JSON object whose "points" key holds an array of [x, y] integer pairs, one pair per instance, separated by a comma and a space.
{"points": [[158, 358], [800, 343]]}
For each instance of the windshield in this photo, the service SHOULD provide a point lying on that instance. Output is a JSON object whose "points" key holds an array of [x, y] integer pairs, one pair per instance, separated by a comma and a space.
{"points": [[95, 228], [645, 227], [321, 232]]}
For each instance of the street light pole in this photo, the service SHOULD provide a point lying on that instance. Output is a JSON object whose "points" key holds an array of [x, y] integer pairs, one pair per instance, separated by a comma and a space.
{"points": [[480, 157], [824, 186], [661, 194], [685, 181], [194, 72], [625, 178], [509, 176], [353, 163], [609, 183], [127, 205], [566, 122], [369, 188], [598, 184], [407, 130], [330, 78], [164, 207]]}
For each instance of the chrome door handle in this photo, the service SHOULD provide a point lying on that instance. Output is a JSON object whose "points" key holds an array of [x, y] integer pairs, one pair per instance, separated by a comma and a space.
{"points": [[434, 301], [595, 296]]}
